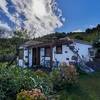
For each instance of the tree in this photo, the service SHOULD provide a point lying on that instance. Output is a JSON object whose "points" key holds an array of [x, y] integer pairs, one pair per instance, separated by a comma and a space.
{"points": [[88, 30], [98, 27], [96, 45], [21, 34]]}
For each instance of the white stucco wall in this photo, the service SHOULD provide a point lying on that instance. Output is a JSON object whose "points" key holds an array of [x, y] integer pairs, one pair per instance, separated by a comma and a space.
{"points": [[42, 56], [57, 57], [83, 50], [30, 57], [66, 53], [20, 62], [26, 56]]}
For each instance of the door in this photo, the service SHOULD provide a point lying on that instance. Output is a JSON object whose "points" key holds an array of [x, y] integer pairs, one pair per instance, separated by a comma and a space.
{"points": [[36, 56]]}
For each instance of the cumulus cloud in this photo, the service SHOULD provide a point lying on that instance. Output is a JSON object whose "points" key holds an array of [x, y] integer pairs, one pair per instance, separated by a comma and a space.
{"points": [[5, 30], [5, 26], [78, 30], [3, 4], [41, 16]]}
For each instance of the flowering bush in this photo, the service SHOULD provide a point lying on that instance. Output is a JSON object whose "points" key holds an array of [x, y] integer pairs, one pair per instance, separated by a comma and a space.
{"points": [[69, 73], [65, 77], [34, 94]]}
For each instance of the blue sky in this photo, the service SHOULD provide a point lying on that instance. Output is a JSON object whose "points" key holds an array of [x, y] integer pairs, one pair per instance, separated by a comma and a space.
{"points": [[79, 14]]}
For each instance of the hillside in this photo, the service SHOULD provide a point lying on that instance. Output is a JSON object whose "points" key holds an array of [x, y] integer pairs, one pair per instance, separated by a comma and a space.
{"points": [[89, 35]]}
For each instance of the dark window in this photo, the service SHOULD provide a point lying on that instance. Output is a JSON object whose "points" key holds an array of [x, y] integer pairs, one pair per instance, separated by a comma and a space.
{"points": [[74, 58], [66, 51], [59, 49], [91, 52], [21, 53], [67, 58], [47, 51]]}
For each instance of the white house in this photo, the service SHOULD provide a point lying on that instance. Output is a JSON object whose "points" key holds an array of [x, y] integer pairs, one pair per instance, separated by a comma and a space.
{"points": [[52, 53]]}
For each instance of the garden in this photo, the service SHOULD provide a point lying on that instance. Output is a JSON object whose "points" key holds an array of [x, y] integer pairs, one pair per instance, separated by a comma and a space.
{"points": [[64, 83]]}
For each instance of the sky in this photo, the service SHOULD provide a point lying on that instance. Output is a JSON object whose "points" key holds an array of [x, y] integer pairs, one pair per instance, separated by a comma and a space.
{"points": [[70, 16], [79, 14]]}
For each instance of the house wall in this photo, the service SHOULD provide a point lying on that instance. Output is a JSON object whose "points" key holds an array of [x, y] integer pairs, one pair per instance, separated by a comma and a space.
{"points": [[83, 50], [42, 56], [45, 61], [26, 56], [57, 58], [66, 55], [30, 57], [20, 62]]}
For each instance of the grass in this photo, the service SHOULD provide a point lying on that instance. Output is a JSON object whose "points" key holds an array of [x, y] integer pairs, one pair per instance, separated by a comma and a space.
{"points": [[91, 85], [88, 89]]}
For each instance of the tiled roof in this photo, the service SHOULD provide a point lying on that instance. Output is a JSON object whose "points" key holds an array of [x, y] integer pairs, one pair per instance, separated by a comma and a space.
{"points": [[35, 43]]}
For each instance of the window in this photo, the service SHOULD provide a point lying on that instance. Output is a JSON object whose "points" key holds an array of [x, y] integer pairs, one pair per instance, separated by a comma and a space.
{"points": [[67, 58], [59, 49], [21, 53], [66, 51], [47, 51], [91, 52], [74, 58]]}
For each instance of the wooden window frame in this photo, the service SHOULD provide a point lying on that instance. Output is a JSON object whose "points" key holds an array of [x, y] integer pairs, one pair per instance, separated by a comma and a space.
{"points": [[47, 54], [57, 47]]}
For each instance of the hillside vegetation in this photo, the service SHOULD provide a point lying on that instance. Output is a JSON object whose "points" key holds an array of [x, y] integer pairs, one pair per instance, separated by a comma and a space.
{"points": [[89, 35]]}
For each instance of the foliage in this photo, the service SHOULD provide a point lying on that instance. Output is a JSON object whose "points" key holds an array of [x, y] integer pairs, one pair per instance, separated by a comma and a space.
{"points": [[35, 94], [56, 79], [89, 34], [8, 46], [96, 42], [69, 73], [13, 79], [78, 37], [21, 34], [65, 77], [96, 46]]}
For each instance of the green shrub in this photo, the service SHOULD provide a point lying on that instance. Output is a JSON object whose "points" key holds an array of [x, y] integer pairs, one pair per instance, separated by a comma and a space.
{"points": [[56, 79], [13, 79]]}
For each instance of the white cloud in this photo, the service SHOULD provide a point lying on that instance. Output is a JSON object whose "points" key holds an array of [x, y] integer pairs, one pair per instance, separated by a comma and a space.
{"points": [[3, 5], [78, 30], [91, 26], [5, 26], [41, 19], [6, 31]]}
